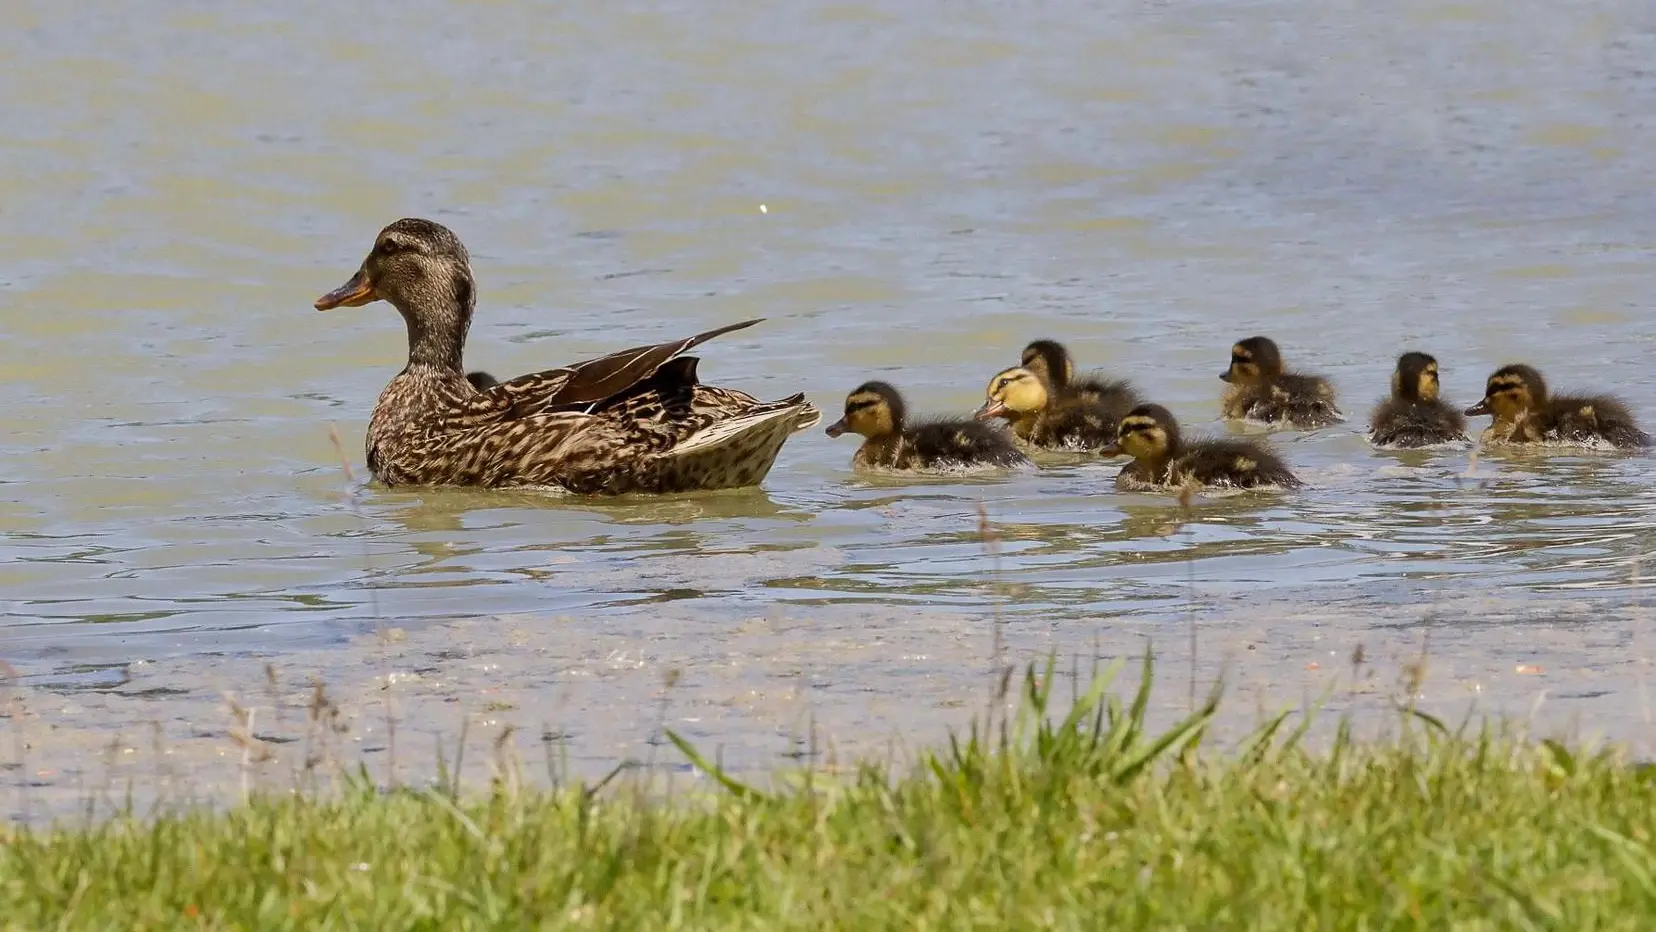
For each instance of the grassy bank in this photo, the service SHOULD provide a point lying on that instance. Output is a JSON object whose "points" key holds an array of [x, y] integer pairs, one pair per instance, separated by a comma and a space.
{"points": [[1087, 822]]}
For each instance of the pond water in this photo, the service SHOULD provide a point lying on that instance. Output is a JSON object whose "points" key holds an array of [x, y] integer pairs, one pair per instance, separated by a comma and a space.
{"points": [[906, 190]]}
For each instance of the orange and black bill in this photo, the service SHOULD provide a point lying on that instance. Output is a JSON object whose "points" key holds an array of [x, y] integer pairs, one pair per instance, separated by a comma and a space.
{"points": [[354, 293]]}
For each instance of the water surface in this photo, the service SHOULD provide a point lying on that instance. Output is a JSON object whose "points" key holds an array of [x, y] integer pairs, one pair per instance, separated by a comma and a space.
{"points": [[940, 183]]}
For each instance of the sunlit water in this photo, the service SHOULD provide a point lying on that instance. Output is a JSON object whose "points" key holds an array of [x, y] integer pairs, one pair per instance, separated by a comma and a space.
{"points": [[940, 183]]}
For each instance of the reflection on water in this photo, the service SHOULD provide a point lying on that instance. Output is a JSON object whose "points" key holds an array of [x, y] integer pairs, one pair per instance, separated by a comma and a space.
{"points": [[940, 185]]}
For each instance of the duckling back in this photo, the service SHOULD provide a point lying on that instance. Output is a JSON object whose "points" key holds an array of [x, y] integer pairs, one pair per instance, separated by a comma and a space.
{"points": [[1079, 422], [1305, 401], [1235, 464], [1593, 419], [942, 444], [1111, 398], [1399, 422]]}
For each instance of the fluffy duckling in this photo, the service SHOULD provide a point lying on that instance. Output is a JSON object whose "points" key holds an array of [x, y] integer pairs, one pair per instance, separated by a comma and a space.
{"points": [[1044, 418], [1261, 390], [482, 381], [1050, 361], [1516, 397], [877, 412], [1162, 458], [1414, 415]]}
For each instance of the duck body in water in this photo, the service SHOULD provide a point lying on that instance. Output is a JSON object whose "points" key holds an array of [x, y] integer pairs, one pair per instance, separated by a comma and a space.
{"points": [[1260, 389], [1415, 415], [894, 441], [638, 420], [1164, 460], [1524, 411], [1044, 419]]}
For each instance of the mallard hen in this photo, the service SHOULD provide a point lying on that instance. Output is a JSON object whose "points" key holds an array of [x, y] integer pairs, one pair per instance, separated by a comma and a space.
{"points": [[633, 421]]}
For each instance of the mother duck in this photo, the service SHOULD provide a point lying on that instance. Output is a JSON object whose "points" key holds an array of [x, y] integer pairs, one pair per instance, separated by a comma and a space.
{"points": [[633, 421]]}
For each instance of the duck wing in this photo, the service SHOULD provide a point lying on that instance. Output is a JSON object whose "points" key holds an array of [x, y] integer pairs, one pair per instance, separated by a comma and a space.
{"points": [[581, 386]]}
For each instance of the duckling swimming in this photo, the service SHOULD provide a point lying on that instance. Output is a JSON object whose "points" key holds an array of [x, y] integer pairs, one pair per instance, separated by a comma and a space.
{"points": [[1516, 397], [877, 412], [1414, 415], [1262, 391], [1050, 362], [1163, 459], [1046, 419]]}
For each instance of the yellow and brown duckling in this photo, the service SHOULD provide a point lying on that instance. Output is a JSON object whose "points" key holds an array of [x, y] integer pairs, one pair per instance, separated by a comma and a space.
{"points": [[1163, 459], [892, 441], [1415, 415], [634, 421], [1524, 411], [1043, 418], [1051, 362], [1261, 390]]}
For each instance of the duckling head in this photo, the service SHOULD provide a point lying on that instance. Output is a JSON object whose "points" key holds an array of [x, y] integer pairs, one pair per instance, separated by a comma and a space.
{"points": [[482, 381], [875, 409], [1013, 393], [1416, 377], [1148, 432], [422, 269], [1253, 360], [1049, 361], [1511, 393]]}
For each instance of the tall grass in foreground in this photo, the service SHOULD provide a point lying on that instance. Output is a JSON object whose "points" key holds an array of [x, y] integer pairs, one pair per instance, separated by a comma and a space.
{"points": [[1089, 821]]}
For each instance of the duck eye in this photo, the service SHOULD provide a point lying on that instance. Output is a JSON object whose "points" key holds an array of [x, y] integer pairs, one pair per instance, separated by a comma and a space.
{"points": [[390, 247]]}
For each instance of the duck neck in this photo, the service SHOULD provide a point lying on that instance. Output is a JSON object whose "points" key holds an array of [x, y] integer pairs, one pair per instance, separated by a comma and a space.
{"points": [[437, 325]]}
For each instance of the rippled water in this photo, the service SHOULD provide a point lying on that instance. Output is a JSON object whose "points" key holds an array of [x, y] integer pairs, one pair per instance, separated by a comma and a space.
{"points": [[940, 183]]}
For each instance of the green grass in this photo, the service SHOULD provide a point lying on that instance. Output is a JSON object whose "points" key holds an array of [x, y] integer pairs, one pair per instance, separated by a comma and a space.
{"points": [[1086, 822]]}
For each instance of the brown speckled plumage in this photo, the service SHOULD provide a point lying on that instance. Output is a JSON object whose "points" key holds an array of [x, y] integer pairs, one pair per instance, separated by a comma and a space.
{"points": [[634, 421]]}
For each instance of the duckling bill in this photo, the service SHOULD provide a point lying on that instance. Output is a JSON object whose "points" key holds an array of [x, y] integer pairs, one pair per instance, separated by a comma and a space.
{"points": [[1524, 411], [639, 420], [1415, 415], [1163, 459], [1261, 390], [1043, 418], [877, 412]]}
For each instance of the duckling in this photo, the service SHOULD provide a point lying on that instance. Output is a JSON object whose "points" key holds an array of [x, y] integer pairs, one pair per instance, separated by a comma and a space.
{"points": [[1414, 415], [1261, 390], [877, 412], [1050, 362], [482, 381], [1046, 419], [1516, 397], [1163, 459]]}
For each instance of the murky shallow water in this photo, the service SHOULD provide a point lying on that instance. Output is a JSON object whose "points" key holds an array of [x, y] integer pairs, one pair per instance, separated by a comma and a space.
{"points": [[941, 184]]}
